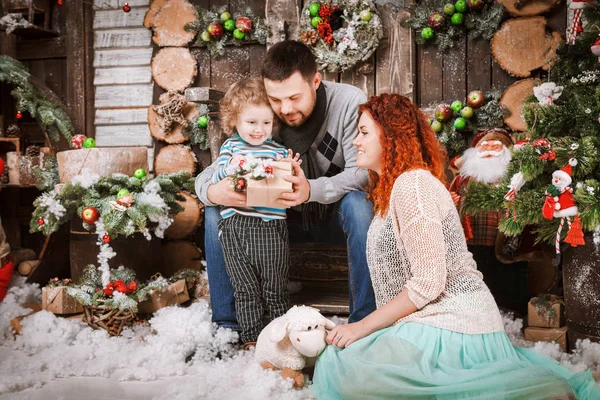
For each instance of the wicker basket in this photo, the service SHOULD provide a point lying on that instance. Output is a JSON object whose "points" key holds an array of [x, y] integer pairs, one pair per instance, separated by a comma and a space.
{"points": [[111, 320]]}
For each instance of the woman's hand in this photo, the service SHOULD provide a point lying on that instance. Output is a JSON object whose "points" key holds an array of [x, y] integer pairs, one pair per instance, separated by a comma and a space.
{"points": [[344, 335]]}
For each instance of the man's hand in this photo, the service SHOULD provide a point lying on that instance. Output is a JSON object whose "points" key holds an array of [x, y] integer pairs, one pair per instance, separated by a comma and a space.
{"points": [[300, 185], [222, 194]]}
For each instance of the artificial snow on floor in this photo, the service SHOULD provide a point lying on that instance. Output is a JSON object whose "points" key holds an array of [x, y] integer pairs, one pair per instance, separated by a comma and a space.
{"points": [[56, 358]]}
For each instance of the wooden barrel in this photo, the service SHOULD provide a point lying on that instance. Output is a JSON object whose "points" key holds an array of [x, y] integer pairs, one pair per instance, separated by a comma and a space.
{"points": [[133, 252], [581, 282]]}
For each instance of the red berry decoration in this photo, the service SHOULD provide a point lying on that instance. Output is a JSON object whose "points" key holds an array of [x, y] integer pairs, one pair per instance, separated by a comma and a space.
{"points": [[436, 20], [19, 115], [243, 24], [269, 169], [126, 8], [40, 221], [106, 238], [240, 185]]}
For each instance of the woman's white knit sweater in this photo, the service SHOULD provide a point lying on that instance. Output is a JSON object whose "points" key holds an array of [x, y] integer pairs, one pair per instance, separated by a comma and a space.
{"points": [[420, 245]]}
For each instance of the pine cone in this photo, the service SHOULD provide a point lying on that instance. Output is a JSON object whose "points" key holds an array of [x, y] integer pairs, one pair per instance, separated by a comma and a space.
{"points": [[13, 130], [32, 151], [309, 38]]}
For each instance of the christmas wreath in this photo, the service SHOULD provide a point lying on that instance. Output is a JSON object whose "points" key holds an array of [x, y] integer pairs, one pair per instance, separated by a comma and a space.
{"points": [[444, 23], [341, 33], [124, 204], [218, 28]]}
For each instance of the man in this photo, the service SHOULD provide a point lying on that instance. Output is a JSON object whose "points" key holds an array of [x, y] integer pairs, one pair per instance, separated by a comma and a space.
{"points": [[319, 121], [487, 162]]}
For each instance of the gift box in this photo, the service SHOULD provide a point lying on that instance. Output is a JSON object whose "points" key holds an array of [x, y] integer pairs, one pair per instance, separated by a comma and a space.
{"points": [[171, 295], [556, 335], [57, 301], [545, 311], [265, 192]]}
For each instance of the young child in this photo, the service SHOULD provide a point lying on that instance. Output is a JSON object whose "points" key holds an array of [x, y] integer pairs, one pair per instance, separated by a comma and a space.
{"points": [[254, 239]]}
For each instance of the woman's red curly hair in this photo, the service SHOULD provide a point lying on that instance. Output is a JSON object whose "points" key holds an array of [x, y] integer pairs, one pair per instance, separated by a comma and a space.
{"points": [[407, 142]]}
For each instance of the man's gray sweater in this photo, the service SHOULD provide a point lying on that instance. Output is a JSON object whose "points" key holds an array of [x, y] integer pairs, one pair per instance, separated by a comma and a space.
{"points": [[333, 149]]}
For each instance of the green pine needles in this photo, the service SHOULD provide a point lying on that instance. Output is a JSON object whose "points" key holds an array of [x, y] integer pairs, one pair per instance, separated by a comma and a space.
{"points": [[50, 115]]}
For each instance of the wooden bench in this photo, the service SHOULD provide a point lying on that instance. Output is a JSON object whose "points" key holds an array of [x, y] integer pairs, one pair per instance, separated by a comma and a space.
{"points": [[322, 269]]}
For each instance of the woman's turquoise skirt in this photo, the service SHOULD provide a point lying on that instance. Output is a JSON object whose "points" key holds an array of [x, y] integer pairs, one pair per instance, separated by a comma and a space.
{"points": [[417, 361]]}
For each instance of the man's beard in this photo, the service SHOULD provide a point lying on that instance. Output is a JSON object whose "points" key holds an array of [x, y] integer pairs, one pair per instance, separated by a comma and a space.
{"points": [[486, 170]]}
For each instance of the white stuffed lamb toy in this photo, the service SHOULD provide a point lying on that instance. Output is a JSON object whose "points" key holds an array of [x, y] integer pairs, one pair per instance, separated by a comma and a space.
{"points": [[293, 341]]}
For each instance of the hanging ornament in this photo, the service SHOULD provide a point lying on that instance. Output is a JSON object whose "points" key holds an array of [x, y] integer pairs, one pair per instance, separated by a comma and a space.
{"points": [[560, 203], [19, 115], [40, 221], [126, 8], [59, 2], [547, 92], [106, 238], [576, 26]]}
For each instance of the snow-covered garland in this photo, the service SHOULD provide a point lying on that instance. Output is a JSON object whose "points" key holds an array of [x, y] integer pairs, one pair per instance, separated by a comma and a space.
{"points": [[248, 167], [341, 33], [125, 204]]}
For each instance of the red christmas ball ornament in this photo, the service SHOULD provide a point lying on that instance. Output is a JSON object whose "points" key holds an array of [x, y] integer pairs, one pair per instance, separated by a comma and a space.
{"points": [[40, 221], [19, 115], [106, 238], [89, 215], [77, 141], [126, 8], [109, 289], [59, 2], [131, 287], [243, 24]]}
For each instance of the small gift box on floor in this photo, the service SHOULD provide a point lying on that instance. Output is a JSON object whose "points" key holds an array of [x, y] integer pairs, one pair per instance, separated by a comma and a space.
{"points": [[556, 335], [170, 295], [545, 311], [265, 192], [56, 299]]}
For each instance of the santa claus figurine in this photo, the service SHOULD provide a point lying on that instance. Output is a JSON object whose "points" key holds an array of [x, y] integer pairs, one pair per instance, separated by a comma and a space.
{"points": [[560, 203], [487, 161]]}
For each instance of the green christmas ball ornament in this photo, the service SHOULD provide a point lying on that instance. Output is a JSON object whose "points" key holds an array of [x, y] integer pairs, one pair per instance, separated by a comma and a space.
{"points": [[460, 123], [460, 6], [202, 121], [225, 16], [205, 36], [122, 192], [466, 112], [457, 18], [239, 35], [229, 25], [365, 15], [140, 173], [314, 9], [427, 33], [456, 106], [436, 126], [449, 9], [316, 21], [89, 143]]}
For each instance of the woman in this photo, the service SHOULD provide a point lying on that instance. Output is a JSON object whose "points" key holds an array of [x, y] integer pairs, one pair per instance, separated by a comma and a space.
{"points": [[437, 332]]}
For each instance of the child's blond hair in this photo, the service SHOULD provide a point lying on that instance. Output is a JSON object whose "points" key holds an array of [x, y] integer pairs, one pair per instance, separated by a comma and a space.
{"points": [[249, 91]]}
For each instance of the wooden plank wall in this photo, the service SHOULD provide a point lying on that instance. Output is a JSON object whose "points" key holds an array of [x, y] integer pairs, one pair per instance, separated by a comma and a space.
{"points": [[122, 79], [468, 67]]}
